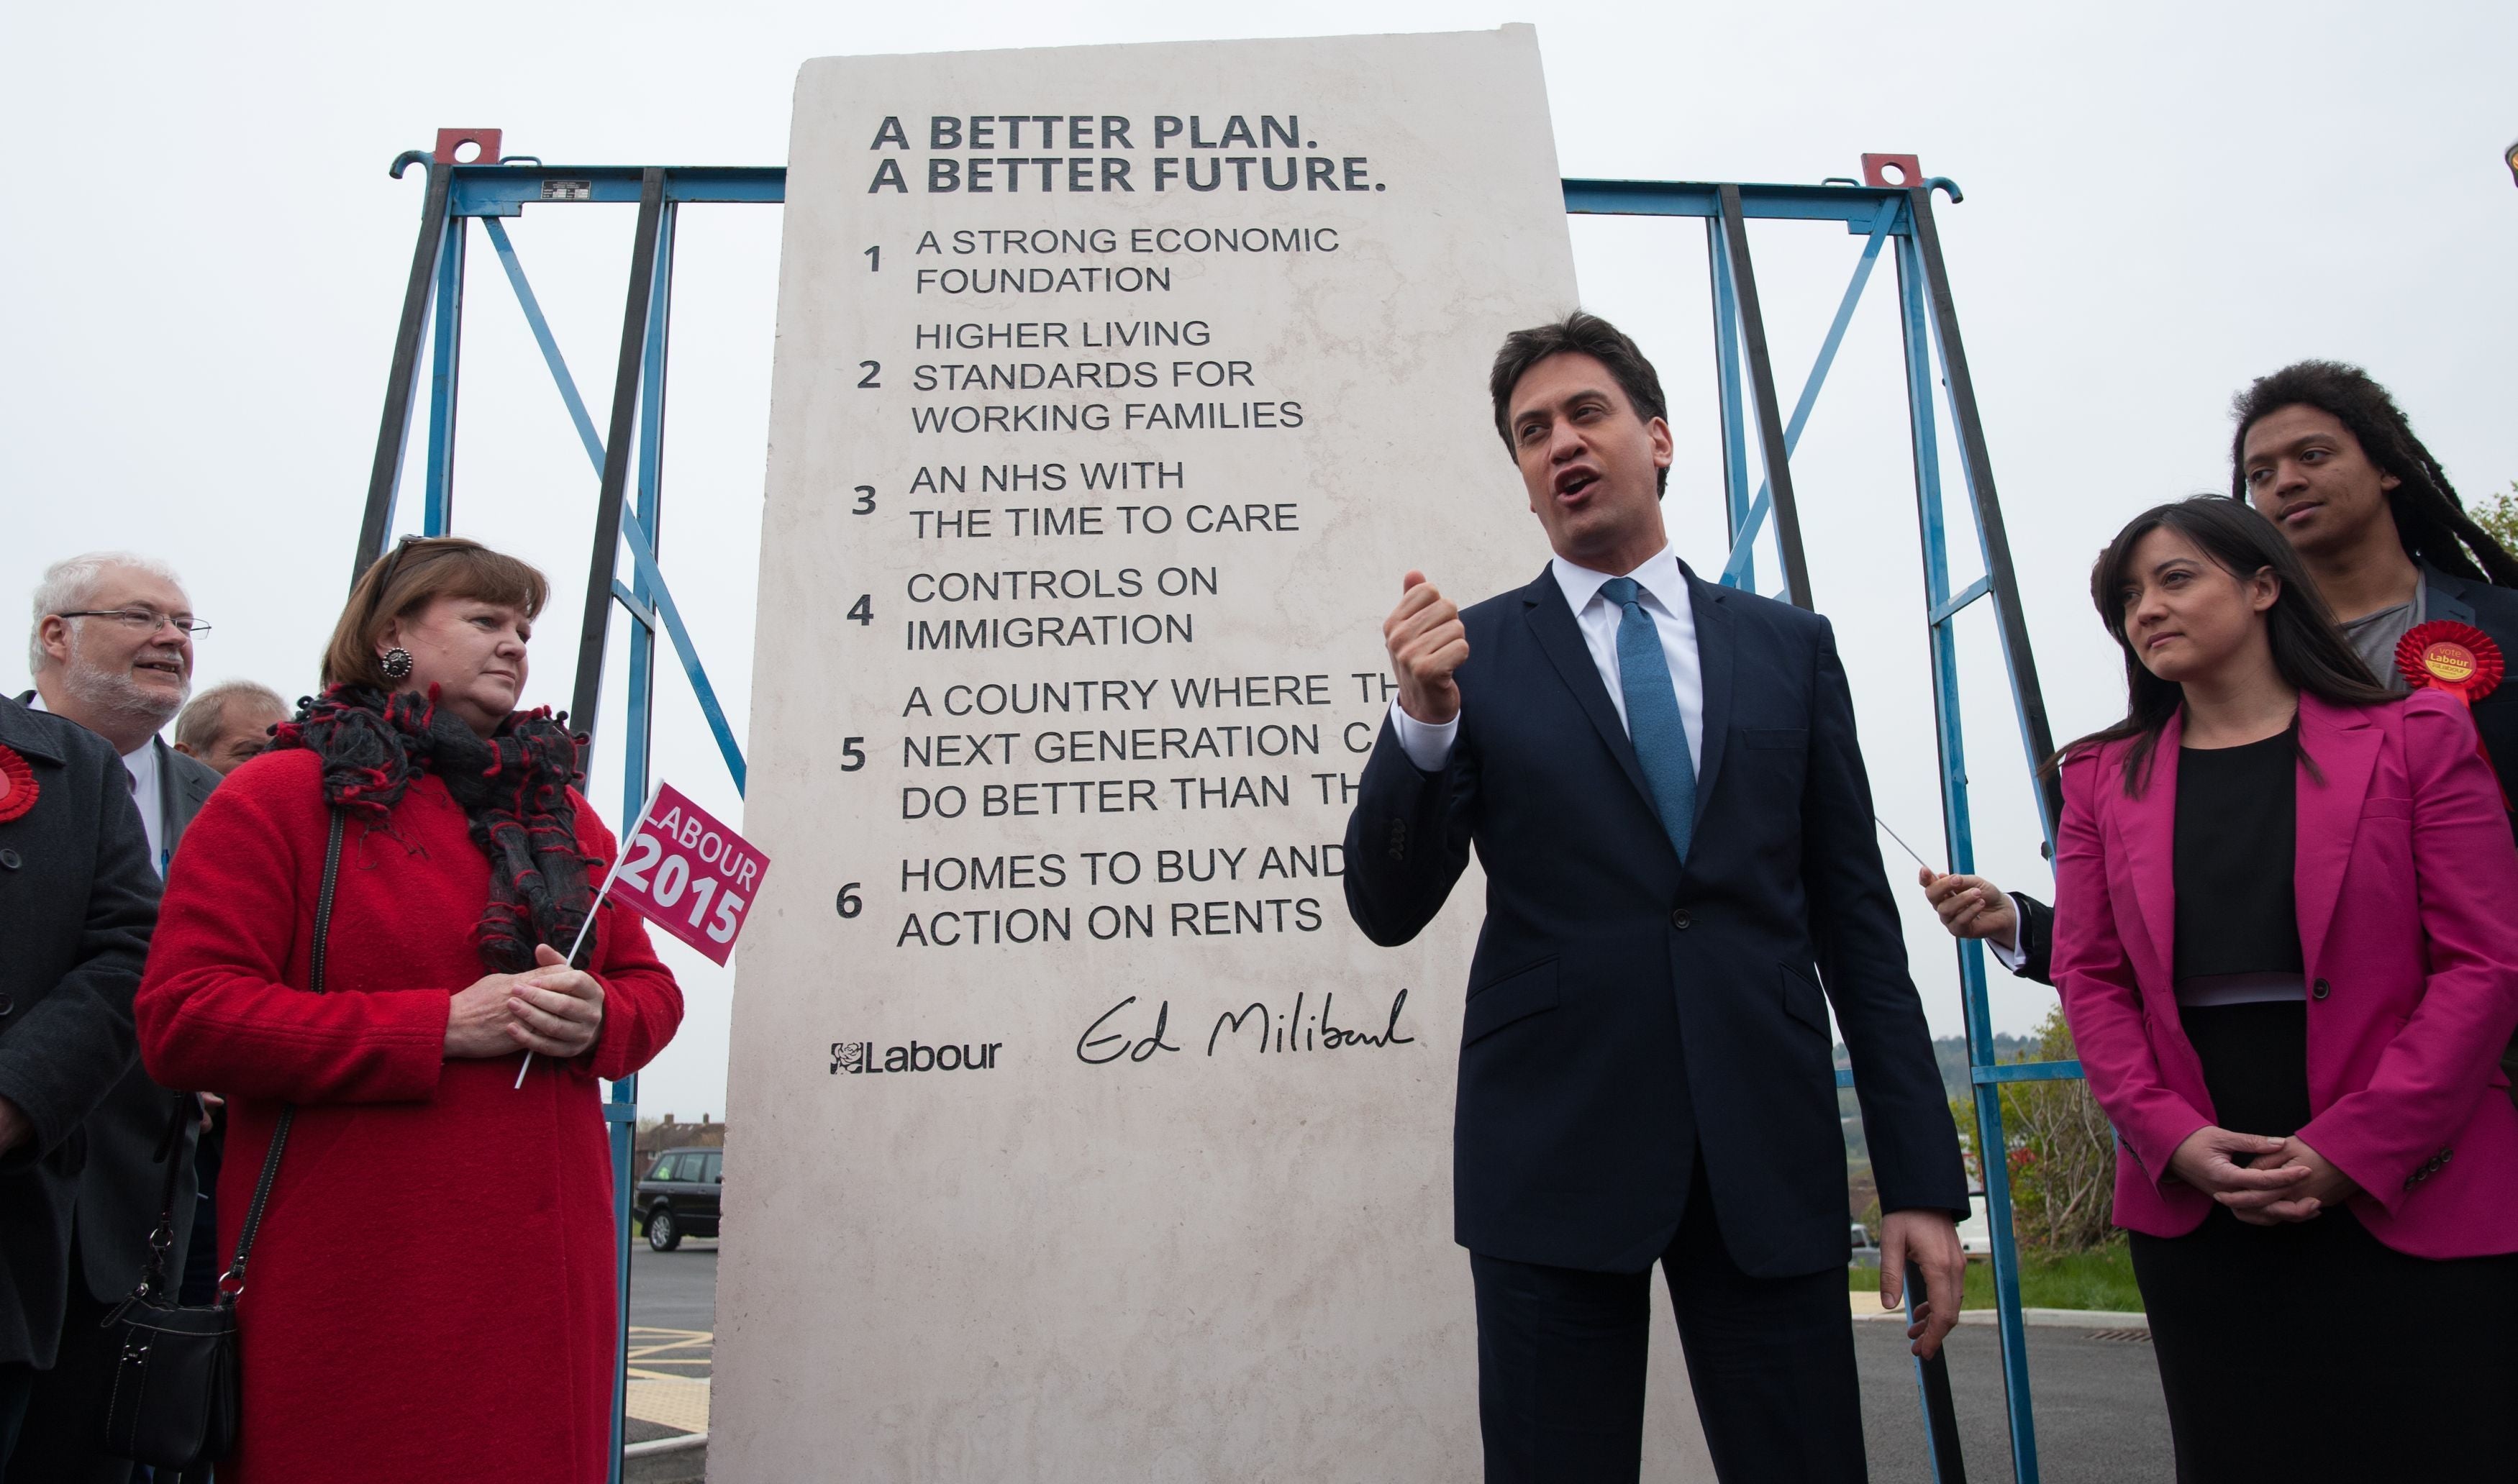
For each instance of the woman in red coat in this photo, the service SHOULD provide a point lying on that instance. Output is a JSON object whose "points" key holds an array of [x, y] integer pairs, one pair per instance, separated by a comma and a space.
{"points": [[431, 1293]]}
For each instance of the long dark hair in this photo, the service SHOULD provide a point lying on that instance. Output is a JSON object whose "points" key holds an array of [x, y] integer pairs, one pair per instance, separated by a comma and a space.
{"points": [[2430, 520], [2309, 649]]}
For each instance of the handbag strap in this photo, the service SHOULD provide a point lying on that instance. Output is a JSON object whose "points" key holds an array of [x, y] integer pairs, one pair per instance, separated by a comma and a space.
{"points": [[161, 1241], [231, 1282]]}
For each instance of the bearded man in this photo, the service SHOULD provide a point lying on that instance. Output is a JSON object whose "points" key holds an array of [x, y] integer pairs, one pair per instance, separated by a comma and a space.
{"points": [[111, 649]]}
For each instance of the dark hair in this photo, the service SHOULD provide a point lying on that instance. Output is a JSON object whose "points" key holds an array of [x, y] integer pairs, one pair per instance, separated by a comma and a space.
{"points": [[2309, 648], [2430, 520], [407, 579], [1581, 334]]}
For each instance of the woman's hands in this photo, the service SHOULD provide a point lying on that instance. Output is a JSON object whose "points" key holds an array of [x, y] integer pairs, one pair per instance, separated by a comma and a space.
{"points": [[551, 1010], [2282, 1179]]}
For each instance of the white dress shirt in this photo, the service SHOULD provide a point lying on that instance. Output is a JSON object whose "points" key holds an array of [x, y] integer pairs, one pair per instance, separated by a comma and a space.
{"points": [[141, 763], [1664, 596]]}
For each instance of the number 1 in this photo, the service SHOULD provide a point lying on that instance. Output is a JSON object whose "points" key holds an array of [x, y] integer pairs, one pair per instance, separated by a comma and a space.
{"points": [[701, 891], [874, 260]]}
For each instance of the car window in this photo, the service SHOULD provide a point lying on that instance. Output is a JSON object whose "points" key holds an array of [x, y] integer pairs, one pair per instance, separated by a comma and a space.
{"points": [[714, 1169], [664, 1170], [684, 1167]]}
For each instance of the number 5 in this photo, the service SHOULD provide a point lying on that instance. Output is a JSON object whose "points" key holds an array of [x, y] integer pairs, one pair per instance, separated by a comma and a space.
{"points": [[728, 908]]}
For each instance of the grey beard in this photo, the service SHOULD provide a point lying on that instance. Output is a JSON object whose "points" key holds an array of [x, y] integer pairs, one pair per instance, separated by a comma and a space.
{"points": [[113, 694]]}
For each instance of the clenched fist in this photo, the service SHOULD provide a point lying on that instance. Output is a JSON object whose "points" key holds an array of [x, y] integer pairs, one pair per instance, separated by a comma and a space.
{"points": [[1427, 646]]}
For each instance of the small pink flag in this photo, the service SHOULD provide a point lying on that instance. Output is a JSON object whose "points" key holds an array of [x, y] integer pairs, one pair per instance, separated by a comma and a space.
{"points": [[689, 874]]}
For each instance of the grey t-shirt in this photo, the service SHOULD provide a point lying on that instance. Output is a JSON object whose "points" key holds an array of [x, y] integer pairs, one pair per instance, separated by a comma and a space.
{"points": [[2376, 635]]}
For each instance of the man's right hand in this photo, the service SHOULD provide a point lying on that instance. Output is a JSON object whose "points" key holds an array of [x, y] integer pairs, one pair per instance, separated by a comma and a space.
{"points": [[1427, 646]]}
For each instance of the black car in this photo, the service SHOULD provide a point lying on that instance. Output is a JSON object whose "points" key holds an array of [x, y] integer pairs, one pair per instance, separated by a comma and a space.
{"points": [[679, 1198]]}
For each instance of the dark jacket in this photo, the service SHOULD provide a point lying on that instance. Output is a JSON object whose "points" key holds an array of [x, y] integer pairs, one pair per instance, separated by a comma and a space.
{"points": [[78, 900], [119, 1195], [2458, 599], [1626, 1011]]}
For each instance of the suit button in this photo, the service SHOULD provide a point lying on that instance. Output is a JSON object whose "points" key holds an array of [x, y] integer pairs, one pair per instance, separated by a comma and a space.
{"points": [[9, 860], [1680, 919], [6, 1005], [2320, 990]]}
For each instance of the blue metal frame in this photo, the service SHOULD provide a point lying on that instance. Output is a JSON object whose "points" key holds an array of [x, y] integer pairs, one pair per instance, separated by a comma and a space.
{"points": [[1882, 215]]}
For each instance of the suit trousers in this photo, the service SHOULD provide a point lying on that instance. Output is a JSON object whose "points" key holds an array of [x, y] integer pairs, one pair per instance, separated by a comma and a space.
{"points": [[1561, 1366], [61, 1440], [16, 1385]]}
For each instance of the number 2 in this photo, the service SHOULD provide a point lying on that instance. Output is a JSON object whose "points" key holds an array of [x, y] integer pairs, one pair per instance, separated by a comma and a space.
{"points": [[644, 852], [873, 369]]}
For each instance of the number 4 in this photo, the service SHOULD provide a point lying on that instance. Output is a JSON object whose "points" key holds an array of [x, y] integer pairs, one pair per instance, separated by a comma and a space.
{"points": [[863, 611]]}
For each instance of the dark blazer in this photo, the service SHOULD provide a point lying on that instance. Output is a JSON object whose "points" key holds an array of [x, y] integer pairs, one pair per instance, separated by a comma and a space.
{"points": [[2461, 600], [1626, 1011], [78, 900], [118, 1197]]}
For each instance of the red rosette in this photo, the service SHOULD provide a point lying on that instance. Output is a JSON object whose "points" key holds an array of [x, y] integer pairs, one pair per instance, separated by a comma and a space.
{"points": [[18, 789], [2446, 655]]}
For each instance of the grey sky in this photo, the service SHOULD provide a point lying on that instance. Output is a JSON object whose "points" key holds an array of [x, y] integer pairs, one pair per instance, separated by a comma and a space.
{"points": [[205, 259]]}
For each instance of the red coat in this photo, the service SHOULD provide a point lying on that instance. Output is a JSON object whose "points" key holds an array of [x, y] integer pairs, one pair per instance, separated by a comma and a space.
{"points": [[2404, 878], [431, 1295]]}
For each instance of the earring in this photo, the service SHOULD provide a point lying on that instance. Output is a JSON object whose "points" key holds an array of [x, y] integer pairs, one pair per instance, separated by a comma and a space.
{"points": [[395, 663]]}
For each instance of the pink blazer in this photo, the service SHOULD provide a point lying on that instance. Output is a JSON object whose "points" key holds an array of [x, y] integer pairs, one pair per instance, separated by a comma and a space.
{"points": [[2408, 890]]}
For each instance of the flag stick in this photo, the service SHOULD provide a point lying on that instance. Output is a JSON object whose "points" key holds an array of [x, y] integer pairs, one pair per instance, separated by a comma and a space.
{"points": [[1902, 844], [620, 855]]}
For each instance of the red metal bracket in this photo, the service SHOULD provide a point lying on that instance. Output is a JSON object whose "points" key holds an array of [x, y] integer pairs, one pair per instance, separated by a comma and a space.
{"points": [[487, 142], [1897, 171]]}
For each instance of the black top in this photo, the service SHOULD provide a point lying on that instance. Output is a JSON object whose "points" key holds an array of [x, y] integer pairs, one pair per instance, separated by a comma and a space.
{"points": [[2237, 835]]}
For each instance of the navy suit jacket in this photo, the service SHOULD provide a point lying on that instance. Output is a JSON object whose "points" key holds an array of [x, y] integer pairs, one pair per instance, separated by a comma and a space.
{"points": [[1626, 1011]]}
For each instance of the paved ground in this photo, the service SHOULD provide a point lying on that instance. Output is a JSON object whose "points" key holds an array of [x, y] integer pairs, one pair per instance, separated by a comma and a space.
{"points": [[2096, 1403], [673, 1323]]}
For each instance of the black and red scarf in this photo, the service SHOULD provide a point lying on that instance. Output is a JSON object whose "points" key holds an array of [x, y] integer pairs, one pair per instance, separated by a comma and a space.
{"points": [[513, 787]]}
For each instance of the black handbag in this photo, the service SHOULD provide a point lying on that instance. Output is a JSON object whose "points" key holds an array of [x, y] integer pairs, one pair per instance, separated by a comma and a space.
{"points": [[174, 1395]]}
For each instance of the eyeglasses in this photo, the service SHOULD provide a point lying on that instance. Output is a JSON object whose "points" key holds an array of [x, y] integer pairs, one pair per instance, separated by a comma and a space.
{"points": [[148, 619]]}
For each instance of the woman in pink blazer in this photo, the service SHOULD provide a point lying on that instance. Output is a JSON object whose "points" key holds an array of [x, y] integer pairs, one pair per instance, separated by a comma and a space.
{"points": [[2287, 937]]}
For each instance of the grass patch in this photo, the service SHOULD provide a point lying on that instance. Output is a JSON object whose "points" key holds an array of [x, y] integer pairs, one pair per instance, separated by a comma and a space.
{"points": [[2098, 1280]]}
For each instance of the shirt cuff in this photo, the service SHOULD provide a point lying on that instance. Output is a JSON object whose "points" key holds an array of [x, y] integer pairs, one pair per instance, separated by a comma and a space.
{"points": [[2012, 956], [1427, 745]]}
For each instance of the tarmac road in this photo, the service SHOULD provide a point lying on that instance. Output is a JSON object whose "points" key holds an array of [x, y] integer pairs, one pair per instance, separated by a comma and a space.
{"points": [[2096, 1403]]}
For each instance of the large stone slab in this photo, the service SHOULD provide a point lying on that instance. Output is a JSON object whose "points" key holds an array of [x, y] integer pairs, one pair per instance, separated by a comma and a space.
{"points": [[1081, 1135]]}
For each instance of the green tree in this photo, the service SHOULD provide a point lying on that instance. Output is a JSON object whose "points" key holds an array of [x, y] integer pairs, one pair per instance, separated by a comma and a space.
{"points": [[2061, 1154], [2498, 516]]}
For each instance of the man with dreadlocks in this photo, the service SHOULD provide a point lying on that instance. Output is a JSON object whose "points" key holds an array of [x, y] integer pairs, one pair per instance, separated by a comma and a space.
{"points": [[2323, 452]]}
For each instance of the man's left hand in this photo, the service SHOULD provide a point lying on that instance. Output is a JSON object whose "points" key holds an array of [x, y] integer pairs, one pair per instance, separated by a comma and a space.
{"points": [[1930, 1240], [14, 1127]]}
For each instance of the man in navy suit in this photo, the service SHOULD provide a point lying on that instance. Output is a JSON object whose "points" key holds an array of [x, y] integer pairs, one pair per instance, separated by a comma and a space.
{"points": [[1662, 782]]}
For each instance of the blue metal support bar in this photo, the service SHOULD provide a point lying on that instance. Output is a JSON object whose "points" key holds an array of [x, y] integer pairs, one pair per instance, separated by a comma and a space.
{"points": [[384, 476], [2027, 1071], [438, 511], [1745, 530], [1735, 437], [651, 579], [637, 749], [551, 357], [1992, 1149], [1960, 599]]}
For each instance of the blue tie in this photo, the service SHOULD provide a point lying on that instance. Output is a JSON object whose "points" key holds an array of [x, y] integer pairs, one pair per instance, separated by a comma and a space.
{"points": [[1652, 713]]}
